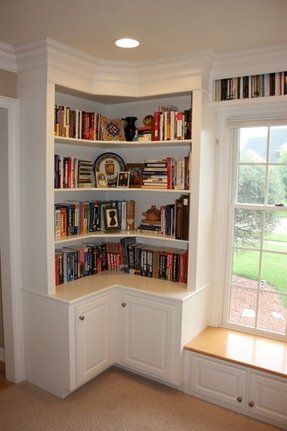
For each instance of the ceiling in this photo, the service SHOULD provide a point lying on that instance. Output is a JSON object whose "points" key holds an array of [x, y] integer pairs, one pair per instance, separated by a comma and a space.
{"points": [[164, 27]]}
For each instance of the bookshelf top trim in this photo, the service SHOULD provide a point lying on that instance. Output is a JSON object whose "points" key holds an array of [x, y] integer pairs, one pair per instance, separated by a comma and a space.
{"points": [[249, 101]]}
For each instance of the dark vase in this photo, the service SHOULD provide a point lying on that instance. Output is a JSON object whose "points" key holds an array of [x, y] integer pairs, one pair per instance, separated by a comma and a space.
{"points": [[130, 128]]}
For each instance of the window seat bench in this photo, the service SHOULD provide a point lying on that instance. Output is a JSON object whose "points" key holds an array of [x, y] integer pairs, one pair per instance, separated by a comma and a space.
{"points": [[239, 371], [261, 353]]}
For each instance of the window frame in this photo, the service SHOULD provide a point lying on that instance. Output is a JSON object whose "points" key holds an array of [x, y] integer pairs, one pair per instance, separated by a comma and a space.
{"points": [[263, 208], [229, 118]]}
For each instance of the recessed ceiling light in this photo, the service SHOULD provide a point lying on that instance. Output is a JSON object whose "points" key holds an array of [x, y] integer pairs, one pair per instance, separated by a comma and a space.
{"points": [[127, 43]]}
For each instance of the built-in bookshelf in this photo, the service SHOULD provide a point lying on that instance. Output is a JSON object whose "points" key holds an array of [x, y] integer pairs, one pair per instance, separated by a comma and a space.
{"points": [[252, 86], [156, 247], [74, 330]]}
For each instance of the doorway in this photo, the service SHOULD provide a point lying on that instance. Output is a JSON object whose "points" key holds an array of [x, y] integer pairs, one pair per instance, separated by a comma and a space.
{"points": [[10, 262]]}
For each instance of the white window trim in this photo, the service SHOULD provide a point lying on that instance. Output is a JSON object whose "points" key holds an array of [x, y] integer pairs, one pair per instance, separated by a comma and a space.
{"points": [[228, 119]]}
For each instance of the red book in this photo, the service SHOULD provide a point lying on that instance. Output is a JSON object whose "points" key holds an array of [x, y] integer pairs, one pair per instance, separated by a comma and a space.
{"points": [[179, 128], [156, 121]]}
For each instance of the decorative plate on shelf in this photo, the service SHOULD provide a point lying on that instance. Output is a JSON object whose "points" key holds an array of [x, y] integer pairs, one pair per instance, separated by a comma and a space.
{"points": [[111, 164], [112, 129]]}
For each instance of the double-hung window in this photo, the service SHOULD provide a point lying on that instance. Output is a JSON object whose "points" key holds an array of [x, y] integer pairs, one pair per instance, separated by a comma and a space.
{"points": [[257, 269]]}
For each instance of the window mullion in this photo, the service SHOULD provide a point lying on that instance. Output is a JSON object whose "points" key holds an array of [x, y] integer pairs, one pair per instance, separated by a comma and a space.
{"points": [[266, 194], [262, 223]]}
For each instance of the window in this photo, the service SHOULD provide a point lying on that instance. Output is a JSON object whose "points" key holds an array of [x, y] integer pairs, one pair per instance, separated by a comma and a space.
{"points": [[257, 288]]}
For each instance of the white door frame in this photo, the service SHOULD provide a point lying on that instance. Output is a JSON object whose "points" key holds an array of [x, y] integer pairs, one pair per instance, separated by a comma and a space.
{"points": [[10, 251]]}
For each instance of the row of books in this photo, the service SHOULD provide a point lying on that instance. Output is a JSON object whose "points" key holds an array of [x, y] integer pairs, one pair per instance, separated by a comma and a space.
{"points": [[167, 173], [153, 261], [70, 172], [174, 220], [83, 217], [128, 255], [168, 123], [171, 124], [74, 123], [78, 261], [268, 84]]}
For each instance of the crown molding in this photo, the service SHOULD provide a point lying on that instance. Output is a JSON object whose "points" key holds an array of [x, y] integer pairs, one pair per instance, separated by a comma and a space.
{"points": [[70, 67], [116, 78], [32, 62], [7, 57], [250, 62], [179, 73], [54, 62]]}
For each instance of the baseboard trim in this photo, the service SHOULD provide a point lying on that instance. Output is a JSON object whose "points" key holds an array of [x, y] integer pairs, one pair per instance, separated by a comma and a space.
{"points": [[2, 355]]}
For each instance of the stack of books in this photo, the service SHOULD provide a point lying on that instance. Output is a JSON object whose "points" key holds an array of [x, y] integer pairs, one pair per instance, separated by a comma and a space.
{"points": [[144, 133], [168, 173], [155, 173], [86, 174]]}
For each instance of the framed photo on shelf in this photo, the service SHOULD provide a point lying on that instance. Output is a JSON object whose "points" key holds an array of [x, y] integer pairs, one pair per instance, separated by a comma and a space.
{"points": [[135, 170], [111, 218], [123, 179], [101, 179]]}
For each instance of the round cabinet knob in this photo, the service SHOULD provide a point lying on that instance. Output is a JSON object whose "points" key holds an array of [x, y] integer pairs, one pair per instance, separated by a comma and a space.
{"points": [[124, 304], [251, 403], [239, 399], [82, 317]]}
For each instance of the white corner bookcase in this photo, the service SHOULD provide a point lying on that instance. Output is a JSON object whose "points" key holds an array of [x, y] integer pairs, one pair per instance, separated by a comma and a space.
{"points": [[60, 75]]}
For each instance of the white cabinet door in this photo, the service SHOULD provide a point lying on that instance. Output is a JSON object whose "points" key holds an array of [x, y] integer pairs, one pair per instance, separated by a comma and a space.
{"points": [[212, 380], [148, 336], [268, 399], [93, 338]]}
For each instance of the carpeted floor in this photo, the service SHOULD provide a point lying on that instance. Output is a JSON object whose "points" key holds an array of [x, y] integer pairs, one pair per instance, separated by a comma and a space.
{"points": [[116, 401], [4, 384]]}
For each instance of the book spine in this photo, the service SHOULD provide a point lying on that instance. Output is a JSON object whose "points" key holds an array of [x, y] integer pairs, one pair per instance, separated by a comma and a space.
{"points": [[130, 223], [156, 121]]}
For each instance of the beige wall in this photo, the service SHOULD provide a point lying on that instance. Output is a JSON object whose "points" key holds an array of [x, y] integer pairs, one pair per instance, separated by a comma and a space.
{"points": [[1, 316], [8, 84]]}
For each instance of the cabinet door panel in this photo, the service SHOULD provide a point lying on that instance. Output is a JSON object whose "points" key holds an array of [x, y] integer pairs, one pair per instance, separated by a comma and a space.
{"points": [[93, 341], [148, 336], [223, 383], [269, 398]]}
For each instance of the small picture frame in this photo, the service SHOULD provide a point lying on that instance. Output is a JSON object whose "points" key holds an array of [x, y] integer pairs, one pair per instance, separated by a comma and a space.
{"points": [[123, 179], [136, 177], [101, 179], [111, 218]]}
